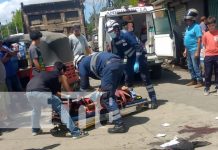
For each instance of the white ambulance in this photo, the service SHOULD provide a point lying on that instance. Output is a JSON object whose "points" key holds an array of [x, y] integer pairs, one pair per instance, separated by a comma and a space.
{"points": [[160, 39]]}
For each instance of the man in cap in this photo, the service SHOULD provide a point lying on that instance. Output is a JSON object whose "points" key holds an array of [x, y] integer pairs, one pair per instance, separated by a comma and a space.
{"points": [[192, 42]]}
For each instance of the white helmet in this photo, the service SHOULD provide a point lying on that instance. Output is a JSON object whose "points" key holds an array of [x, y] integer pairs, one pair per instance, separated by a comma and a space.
{"points": [[191, 14], [110, 24], [77, 60]]}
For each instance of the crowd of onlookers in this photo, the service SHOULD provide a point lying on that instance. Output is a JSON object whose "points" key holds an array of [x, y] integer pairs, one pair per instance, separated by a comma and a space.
{"points": [[201, 50]]}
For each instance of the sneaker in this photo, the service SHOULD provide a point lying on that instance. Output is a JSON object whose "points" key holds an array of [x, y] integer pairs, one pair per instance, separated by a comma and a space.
{"points": [[154, 105], [80, 135], [193, 82], [216, 94], [199, 84], [121, 128], [34, 133], [206, 92]]}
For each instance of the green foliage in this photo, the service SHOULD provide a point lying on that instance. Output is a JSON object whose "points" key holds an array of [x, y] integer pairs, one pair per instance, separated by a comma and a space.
{"points": [[92, 23], [17, 19], [133, 2], [119, 3], [10, 28]]}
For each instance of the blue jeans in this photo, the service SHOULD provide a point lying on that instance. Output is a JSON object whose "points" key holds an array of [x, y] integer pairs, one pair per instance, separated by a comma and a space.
{"points": [[194, 66], [40, 99]]}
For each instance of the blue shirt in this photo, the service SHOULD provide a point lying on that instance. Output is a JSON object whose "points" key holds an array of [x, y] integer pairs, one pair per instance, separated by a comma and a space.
{"points": [[192, 34], [10, 67]]}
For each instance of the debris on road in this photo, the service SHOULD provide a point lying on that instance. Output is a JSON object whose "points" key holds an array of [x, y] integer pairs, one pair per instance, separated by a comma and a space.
{"points": [[166, 125], [160, 135]]}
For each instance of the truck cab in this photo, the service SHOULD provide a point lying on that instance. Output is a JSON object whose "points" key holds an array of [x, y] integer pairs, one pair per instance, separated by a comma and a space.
{"points": [[154, 26]]}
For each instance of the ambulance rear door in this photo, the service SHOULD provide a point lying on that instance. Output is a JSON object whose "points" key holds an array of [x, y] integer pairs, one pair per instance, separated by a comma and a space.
{"points": [[164, 44]]}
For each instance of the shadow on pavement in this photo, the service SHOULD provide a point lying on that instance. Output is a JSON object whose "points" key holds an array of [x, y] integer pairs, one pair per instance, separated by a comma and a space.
{"points": [[162, 102], [46, 147], [6, 130], [131, 121], [168, 76]]}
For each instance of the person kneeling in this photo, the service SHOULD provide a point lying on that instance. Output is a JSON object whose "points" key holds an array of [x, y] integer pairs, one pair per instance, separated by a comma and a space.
{"points": [[44, 89]]}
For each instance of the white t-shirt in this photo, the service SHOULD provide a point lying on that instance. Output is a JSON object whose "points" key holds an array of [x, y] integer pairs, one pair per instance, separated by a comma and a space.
{"points": [[2, 73], [78, 44]]}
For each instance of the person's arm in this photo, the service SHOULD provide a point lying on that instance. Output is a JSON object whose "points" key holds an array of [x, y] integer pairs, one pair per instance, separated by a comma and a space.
{"points": [[6, 58], [64, 82], [36, 64], [197, 53], [198, 33], [204, 40], [4, 49], [185, 53], [34, 57], [88, 50], [71, 42]]}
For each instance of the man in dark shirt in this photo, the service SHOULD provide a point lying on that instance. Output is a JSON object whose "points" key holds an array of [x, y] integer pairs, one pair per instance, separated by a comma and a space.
{"points": [[44, 89]]}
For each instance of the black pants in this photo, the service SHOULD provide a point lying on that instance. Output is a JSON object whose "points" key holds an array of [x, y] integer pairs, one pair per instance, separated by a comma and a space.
{"points": [[211, 64]]}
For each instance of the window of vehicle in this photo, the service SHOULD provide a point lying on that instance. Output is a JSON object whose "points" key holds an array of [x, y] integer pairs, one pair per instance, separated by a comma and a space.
{"points": [[161, 22]]}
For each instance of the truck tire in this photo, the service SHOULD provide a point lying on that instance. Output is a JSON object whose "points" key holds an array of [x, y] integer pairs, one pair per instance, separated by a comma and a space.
{"points": [[156, 72]]}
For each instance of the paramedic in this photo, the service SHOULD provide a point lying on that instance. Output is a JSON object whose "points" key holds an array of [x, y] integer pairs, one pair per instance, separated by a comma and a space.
{"points": [[109, 69], [125, 45]]}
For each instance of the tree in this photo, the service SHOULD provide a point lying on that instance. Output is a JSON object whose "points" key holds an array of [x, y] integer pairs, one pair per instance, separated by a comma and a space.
{"points": [[119, 3], [17, 21], [10, 27], [133, 2]]}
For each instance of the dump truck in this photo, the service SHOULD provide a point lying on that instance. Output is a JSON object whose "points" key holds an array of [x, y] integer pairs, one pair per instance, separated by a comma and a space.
{"points": [[59, 16]]}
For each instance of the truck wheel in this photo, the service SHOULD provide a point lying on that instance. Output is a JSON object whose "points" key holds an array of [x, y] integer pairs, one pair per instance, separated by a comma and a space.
{"points": [[156, 72]]}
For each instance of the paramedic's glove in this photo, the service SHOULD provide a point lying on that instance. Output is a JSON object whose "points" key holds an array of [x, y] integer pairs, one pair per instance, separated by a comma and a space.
{"points": [[136, 67]]}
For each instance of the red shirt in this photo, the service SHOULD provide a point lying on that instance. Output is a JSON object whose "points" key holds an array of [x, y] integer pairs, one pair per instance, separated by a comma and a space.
{"points": [[210, 41]]}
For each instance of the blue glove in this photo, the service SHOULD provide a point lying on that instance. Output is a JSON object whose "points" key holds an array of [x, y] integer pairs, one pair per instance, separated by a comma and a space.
{"points": [[136, 67]]}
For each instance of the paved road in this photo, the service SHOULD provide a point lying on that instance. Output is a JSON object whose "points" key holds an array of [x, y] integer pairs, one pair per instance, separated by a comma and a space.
{"points": [[190, 115]]}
